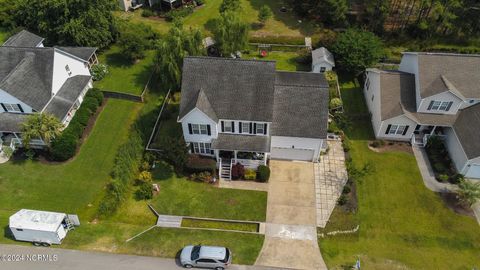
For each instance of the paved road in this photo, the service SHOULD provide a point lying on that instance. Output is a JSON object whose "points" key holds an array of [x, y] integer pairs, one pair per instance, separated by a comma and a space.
{"points": [[64, 259]]}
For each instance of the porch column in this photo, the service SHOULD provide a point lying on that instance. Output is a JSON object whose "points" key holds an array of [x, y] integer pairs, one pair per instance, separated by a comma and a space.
{"points": [[217, 154], [265, 159], [235, 156]]}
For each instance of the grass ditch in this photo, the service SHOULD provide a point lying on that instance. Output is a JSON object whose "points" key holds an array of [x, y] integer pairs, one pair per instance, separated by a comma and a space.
{"points": [[220, 225]]}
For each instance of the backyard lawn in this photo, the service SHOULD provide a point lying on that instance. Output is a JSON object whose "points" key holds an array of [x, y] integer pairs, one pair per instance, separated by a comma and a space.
{"points": [[287, 61], [281, 24], [3, 35], [402, 224], [124, 76]]}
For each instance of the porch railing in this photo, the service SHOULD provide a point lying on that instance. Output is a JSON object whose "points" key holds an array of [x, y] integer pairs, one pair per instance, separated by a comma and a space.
{"points": [[219, 168], [422, 141], [251, 164]]}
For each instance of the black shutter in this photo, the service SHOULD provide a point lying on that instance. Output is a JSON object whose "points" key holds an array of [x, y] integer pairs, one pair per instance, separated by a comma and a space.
{"points": [[449, 106], [190, 129], [264, 129], [3, 106], [239, 127], [251, 128], [233, 127], [430, 105], [223, 126], [209, 131], [191, 148], [21, 109], [405, 131], [254, 128], [388, 129]]}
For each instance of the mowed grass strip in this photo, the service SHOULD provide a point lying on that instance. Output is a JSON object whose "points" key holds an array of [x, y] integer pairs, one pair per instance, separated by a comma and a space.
{"points": [[402, 223], [287, 61], [123, 75], [69, 187], [221, 225]]}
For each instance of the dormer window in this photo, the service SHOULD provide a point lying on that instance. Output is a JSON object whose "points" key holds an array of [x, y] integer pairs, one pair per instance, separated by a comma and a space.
{"points": [[439, 105], [227, 126], [16, 108]]}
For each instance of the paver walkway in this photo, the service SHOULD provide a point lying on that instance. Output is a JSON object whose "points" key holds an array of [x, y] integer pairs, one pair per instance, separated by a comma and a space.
{"points": [[290, 231], [330, 178]]}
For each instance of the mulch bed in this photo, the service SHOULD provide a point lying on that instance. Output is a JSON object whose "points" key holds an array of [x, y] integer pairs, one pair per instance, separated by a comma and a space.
{"points": [[451, 201], [391, 146]]}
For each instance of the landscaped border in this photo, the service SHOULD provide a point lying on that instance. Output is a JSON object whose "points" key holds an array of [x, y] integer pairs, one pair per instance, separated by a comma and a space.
{"points": [[158, 123]]}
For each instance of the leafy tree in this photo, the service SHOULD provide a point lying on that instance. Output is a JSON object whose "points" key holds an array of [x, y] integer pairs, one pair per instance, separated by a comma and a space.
{"points": [[171, 51], [264, 14], [69, 22], [333, 12], [230, 33], [229, 5], [42, 126], [355, 50], [468, 192], [135, 39], [174, 151]]}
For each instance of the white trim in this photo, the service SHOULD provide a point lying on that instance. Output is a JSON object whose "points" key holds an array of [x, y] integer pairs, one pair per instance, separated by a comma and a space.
{"points": [[180, 120]]}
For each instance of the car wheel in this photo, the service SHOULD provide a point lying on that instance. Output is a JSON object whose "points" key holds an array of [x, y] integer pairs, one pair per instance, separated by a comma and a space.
{"points": [[219, 268], [45, 244], [37, 244], [188, 266]]}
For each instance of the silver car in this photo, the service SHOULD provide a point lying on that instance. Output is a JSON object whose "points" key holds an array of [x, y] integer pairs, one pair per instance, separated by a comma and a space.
{"points": [[217, 258]]}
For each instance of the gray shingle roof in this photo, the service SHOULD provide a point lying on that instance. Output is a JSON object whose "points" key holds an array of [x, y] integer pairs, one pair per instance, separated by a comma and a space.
{"points": [[63, 101], [83, 53], [461, 70], [466, 128], [235, 89], [322, 55], [27, 73], [12, 122], [23, 39], [242, 143], [301, 105]]}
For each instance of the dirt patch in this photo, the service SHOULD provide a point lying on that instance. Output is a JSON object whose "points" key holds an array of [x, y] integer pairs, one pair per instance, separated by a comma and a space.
{"points": [[451, 201], [391, 146], [45, 159]]}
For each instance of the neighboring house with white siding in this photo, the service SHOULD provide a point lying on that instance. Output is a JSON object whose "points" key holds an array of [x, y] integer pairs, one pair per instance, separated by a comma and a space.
{"points": [[245, 111], [430, 94], [37, 79]]}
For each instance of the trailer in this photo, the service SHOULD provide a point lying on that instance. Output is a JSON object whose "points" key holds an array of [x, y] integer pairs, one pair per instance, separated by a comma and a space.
{"points": [[42, 228]]}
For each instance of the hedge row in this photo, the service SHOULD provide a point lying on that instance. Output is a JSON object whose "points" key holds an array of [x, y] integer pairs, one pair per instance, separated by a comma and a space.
{"points": [[65, 146], [125, 169]]}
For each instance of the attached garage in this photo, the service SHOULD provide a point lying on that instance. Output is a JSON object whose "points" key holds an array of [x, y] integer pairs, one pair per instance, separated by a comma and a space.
{"points": [[292, 154]]}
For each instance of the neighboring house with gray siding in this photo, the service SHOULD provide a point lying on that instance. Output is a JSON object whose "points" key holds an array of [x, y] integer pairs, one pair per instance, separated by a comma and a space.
{"points": [[245, 111], [38, 79], [430, 94]]}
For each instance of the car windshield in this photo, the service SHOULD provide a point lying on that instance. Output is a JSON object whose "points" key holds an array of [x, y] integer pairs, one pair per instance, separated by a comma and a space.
{"points": [[195, 252], [227, 255]]}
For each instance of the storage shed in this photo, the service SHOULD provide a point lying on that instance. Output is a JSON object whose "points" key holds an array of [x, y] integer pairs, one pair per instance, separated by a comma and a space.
{"points": [[322, 60], [40, 227]]}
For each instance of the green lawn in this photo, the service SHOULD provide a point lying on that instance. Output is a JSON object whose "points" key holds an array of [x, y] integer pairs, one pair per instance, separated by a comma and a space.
{"points": [[179, 196], [123, 75], [4, 35], [402, 224], [287, 61], [281, 24], [223, 225]]}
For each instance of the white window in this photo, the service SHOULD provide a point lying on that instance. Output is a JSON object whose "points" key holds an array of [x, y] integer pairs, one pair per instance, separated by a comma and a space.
{"points": [[12, 107], [203, 130], [199, 129], [444, 106], [440, 106], [260, 129], [195, 129], [202, 148], [227, 126], [397, 130], [245, 127]]}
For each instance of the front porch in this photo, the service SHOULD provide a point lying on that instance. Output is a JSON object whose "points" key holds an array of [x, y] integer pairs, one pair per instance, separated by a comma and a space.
{"points": [[423, 132]]}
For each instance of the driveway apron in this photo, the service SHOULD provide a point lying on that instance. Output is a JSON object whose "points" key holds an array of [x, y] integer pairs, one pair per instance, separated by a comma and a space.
{"points": [[290, 231]]}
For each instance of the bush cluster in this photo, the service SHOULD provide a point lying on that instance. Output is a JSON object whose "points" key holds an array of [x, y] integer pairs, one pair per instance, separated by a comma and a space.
{"points": [[64, 146], [205, 177], [238, 171], [263, 173], [197, 164], [99, 71], [250, 174]]}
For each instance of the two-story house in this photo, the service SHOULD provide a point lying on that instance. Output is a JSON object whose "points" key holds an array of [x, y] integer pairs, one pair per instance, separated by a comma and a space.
{"points": [[245, 111], [34, 78], [430, 94]]}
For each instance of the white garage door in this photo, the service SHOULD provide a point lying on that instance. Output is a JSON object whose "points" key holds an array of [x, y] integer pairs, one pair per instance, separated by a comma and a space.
{"points": [[292, 154], [473, 171]]}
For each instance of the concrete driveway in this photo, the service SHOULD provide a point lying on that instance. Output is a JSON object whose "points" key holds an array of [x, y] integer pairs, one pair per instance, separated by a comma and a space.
{"points": [[290, 231]]}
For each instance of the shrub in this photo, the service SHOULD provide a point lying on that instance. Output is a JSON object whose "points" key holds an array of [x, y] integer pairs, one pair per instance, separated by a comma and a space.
{"points": [[200, 2], [99, 71], [144, 192], [457, 178], [196, 163], [91, 104], [64, 147], [264, 14], [439, 167], [74, 128], [335, 103], [205, 177], [7, 151], [346, 144], [144, 177], [342, 200], [263, 173], [346, 189], [82, 115], [238, 171], [147, 13], [250, 174], [97, 94], [443, 178], [175, 152], [179, 13]]}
